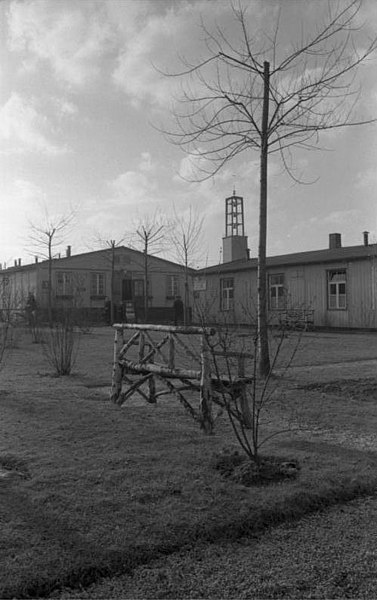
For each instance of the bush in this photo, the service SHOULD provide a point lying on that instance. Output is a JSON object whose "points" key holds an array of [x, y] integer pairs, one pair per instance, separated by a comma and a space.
{"points": [[60, 347]]}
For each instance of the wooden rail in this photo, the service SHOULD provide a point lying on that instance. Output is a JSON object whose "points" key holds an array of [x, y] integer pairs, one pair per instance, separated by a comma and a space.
{"points": [[178, 379]]}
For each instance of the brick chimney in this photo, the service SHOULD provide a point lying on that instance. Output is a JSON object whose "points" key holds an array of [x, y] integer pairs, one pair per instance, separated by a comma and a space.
{"points": [[335, 240], [366, 238], [68, 252]]}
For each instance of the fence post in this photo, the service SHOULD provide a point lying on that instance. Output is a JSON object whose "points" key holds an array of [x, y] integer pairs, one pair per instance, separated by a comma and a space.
{"points": [[116, 382], [205, 402], [171, 352], [151, 381], [141, 346]]}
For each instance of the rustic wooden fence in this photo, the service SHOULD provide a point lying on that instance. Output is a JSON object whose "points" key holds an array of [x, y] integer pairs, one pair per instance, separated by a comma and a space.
{"points": [[159, 352]]}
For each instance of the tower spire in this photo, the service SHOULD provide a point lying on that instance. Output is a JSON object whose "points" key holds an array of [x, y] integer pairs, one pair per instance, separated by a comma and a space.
{"points": [[234, 241]]}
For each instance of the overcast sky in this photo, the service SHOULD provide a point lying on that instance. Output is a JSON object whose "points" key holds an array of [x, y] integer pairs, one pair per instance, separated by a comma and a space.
{"points": [[80, 95]]}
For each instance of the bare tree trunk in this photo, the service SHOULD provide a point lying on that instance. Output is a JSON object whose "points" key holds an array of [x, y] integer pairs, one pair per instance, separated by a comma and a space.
{"points": [[146, 290], [264, 356], [186, 296], [112, 312], [50, 280]]}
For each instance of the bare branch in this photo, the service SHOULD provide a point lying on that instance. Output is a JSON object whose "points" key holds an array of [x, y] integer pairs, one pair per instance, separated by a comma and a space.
{"points": [[313, 89]]}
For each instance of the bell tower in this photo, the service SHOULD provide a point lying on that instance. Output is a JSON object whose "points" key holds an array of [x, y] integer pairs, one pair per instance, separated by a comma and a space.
{"points": [[234, 241]]}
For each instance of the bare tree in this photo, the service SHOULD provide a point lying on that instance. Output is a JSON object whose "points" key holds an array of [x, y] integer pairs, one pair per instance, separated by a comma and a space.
{"points": [[45, 238], [150, 235], [110, 245], [256, 93], [7, 305], [185, 236]]}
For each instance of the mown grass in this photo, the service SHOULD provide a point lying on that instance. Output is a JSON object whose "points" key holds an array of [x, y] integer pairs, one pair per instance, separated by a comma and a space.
{"points": [[108, 489], [325, 555]]}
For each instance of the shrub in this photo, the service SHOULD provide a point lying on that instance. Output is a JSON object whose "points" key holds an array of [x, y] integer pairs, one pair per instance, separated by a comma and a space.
{"points": [[61, 343]]}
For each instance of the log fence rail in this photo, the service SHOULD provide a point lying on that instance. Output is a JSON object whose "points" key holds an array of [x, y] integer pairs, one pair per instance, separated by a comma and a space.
{"points": [[160, 351]]}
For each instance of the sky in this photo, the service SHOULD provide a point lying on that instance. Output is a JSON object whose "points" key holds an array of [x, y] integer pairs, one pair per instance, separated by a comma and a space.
{"points": [[83, 97]]}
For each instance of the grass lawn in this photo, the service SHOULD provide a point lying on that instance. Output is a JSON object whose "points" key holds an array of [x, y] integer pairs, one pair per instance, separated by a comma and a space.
{"points": [[100, 491]]}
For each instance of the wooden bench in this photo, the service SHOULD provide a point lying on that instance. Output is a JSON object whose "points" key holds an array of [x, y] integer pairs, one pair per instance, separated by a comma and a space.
{"points": [[297, 318], [178, 379]]}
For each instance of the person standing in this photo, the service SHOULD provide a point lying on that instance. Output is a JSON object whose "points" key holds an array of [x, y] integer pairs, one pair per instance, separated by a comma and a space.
{"points": [[107, 311], [31, 309]]}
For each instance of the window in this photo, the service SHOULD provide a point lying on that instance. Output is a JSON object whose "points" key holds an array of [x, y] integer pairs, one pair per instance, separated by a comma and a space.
{"points": [[63, 284], [277, 292], [227, 293], [138, 288], [97, 284], [172, 286], [336, 286]]}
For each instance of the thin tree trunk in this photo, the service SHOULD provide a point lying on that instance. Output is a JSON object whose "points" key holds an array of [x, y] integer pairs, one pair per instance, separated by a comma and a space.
{"points": [[112, 311], [146, 291], [263, 350], [186, 308], [50, 281]]}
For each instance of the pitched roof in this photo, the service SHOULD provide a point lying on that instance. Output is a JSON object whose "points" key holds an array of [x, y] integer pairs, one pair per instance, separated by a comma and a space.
{"points": [[349, 253], [63, 259]]}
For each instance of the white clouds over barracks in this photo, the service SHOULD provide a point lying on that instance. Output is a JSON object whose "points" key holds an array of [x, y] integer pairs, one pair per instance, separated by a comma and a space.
{"points": [[81, 84]]}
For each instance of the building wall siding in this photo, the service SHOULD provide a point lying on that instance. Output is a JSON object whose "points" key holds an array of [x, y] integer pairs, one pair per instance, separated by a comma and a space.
{"points": [[129, 264], [306, 286]]}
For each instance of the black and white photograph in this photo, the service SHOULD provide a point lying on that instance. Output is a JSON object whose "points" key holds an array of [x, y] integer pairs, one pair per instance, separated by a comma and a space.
{"points": [[188, 299]]}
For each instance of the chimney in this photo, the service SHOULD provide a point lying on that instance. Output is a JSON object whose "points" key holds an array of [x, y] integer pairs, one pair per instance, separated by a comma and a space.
{"points": [[68, 252], [36, 259], [366, 238], [15, 263], [335, 241], [19, 262]]}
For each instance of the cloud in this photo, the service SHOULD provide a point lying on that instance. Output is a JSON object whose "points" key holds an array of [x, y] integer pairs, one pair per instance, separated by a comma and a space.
{"points": [[66, 108], [366, 179], [132, 187], [343, 218], [70, 36], [26, 191], [155, 43], [146, 163], [24, 128], [136, 187]]}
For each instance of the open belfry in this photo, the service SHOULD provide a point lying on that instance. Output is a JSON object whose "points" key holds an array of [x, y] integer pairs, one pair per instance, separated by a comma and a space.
{"points": [[235, 240]]}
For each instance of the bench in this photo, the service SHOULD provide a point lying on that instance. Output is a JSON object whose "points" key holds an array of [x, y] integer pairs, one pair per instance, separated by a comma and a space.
{"points": [[178, 379], [297, 318]]}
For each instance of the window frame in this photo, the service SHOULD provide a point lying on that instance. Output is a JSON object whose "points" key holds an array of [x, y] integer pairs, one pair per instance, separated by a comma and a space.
{"points": [[338, 294], [97, 287], [137, 286], [227, 294], [276, 287], [172, 286], [64, 284]]}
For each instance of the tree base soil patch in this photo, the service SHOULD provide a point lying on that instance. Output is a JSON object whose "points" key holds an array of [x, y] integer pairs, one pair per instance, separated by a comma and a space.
{"points": [[243, 470]]}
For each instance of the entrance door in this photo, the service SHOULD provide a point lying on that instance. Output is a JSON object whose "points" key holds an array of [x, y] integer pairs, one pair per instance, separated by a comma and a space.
{"points": [[127, 290]]}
